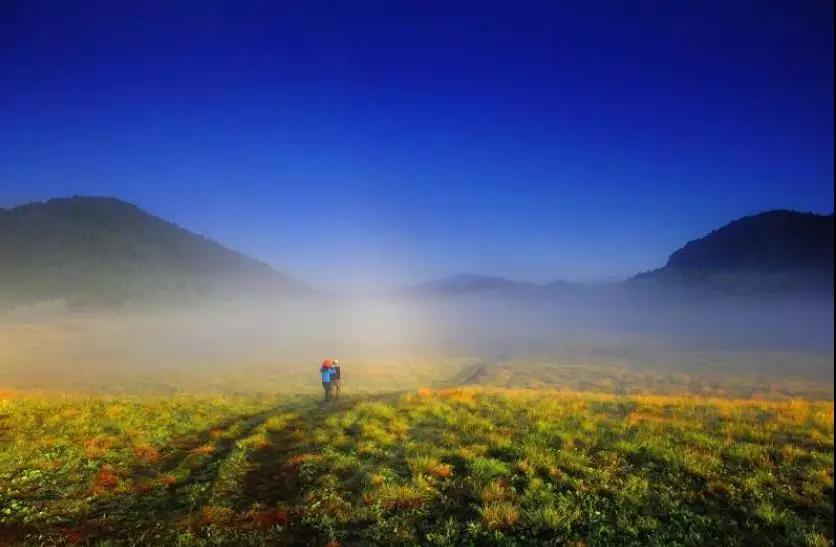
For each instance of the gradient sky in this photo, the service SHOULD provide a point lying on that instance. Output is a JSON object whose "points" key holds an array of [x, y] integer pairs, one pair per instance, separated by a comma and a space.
{"points": [[362, 143]]}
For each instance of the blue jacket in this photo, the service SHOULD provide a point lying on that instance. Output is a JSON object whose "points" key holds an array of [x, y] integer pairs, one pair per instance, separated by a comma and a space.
{"points": [[326, 375]]}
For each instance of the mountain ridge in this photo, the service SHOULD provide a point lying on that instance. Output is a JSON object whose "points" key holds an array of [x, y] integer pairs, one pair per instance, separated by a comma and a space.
{"points": [[95, 250], [485, 285], [771, 251]]}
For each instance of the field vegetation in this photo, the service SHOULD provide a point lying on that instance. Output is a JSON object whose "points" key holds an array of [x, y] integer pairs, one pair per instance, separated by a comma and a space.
{"points": [[430, 466]]}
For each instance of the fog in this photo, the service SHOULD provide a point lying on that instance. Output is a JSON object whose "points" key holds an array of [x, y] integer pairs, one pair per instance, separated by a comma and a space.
{"points": [[399, 341]]}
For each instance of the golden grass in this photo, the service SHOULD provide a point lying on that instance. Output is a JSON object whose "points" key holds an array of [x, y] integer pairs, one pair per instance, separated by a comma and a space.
{"points": [[467, 464]]}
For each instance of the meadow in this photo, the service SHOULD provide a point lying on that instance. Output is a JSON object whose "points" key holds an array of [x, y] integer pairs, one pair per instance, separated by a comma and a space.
{"points": [[454, 466]]}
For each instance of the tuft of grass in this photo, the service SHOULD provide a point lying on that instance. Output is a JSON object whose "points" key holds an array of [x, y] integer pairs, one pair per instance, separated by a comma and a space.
{"points": [[485, 469], [500, 515], [409, 496]]}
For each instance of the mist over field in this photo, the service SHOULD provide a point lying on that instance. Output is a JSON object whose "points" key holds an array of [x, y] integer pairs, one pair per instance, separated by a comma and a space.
{"points": [[395, 341]]}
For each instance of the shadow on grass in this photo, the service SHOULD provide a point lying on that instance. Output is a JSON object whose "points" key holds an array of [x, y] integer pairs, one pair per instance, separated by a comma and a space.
{"points": [[272, 480]]}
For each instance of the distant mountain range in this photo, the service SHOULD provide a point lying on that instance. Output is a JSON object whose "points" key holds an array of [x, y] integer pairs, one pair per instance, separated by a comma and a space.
{"points": [[94, 251], [473, 284], [774, 251]]}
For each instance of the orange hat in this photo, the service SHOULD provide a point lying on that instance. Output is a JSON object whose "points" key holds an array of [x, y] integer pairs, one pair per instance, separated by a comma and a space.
{"points": [[327, 363]]}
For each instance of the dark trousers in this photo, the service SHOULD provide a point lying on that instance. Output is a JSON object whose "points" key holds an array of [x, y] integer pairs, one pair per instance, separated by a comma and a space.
{"points": [[337, 388], [328, 390]]}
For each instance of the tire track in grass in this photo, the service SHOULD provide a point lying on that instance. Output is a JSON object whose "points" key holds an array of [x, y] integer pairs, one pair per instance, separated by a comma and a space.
{"points": [[207, 473], [268, 493], [110, 517], [185, 446], [271, 480], [268, 482], [182, 497]]}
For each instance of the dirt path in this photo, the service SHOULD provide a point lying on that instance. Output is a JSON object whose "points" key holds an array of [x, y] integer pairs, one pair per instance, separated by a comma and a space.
{"points": [[475, 374]]}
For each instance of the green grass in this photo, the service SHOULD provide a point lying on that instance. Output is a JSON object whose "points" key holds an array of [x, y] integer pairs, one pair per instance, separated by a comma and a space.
{"points": [[438, 467]]}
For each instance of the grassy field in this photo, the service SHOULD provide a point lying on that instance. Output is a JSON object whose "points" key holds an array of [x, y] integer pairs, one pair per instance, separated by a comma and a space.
{"points": [[442, 467]]}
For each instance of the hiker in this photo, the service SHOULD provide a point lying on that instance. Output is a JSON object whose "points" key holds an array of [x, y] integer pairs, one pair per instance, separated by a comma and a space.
{"points": [[326, 370], [335, 378]]}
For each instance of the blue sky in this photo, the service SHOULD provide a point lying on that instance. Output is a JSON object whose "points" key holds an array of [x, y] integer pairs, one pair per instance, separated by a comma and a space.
{"points": [[355, 144]]}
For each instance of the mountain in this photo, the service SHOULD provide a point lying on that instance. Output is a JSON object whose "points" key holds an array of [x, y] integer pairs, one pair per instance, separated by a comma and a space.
{"points": [[94, 251], [480, 285], [771, 251]]}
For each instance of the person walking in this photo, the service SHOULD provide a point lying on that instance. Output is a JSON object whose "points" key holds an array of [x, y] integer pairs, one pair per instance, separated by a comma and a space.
{"points": [[326, 371], [336, 379]]}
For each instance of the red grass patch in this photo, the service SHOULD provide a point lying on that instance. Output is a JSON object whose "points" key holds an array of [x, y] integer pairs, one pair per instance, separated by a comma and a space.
{"points": [[143, 488], [74, 536], [147, 453], [203, 450], [277, 517], [405, 503], [442, 471], [299, 459], [107, 479], [168, 480], [95, 448]]}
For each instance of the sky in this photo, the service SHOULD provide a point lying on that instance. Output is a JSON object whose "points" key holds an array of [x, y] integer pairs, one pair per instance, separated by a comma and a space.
{"points": [[356, 144]]}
